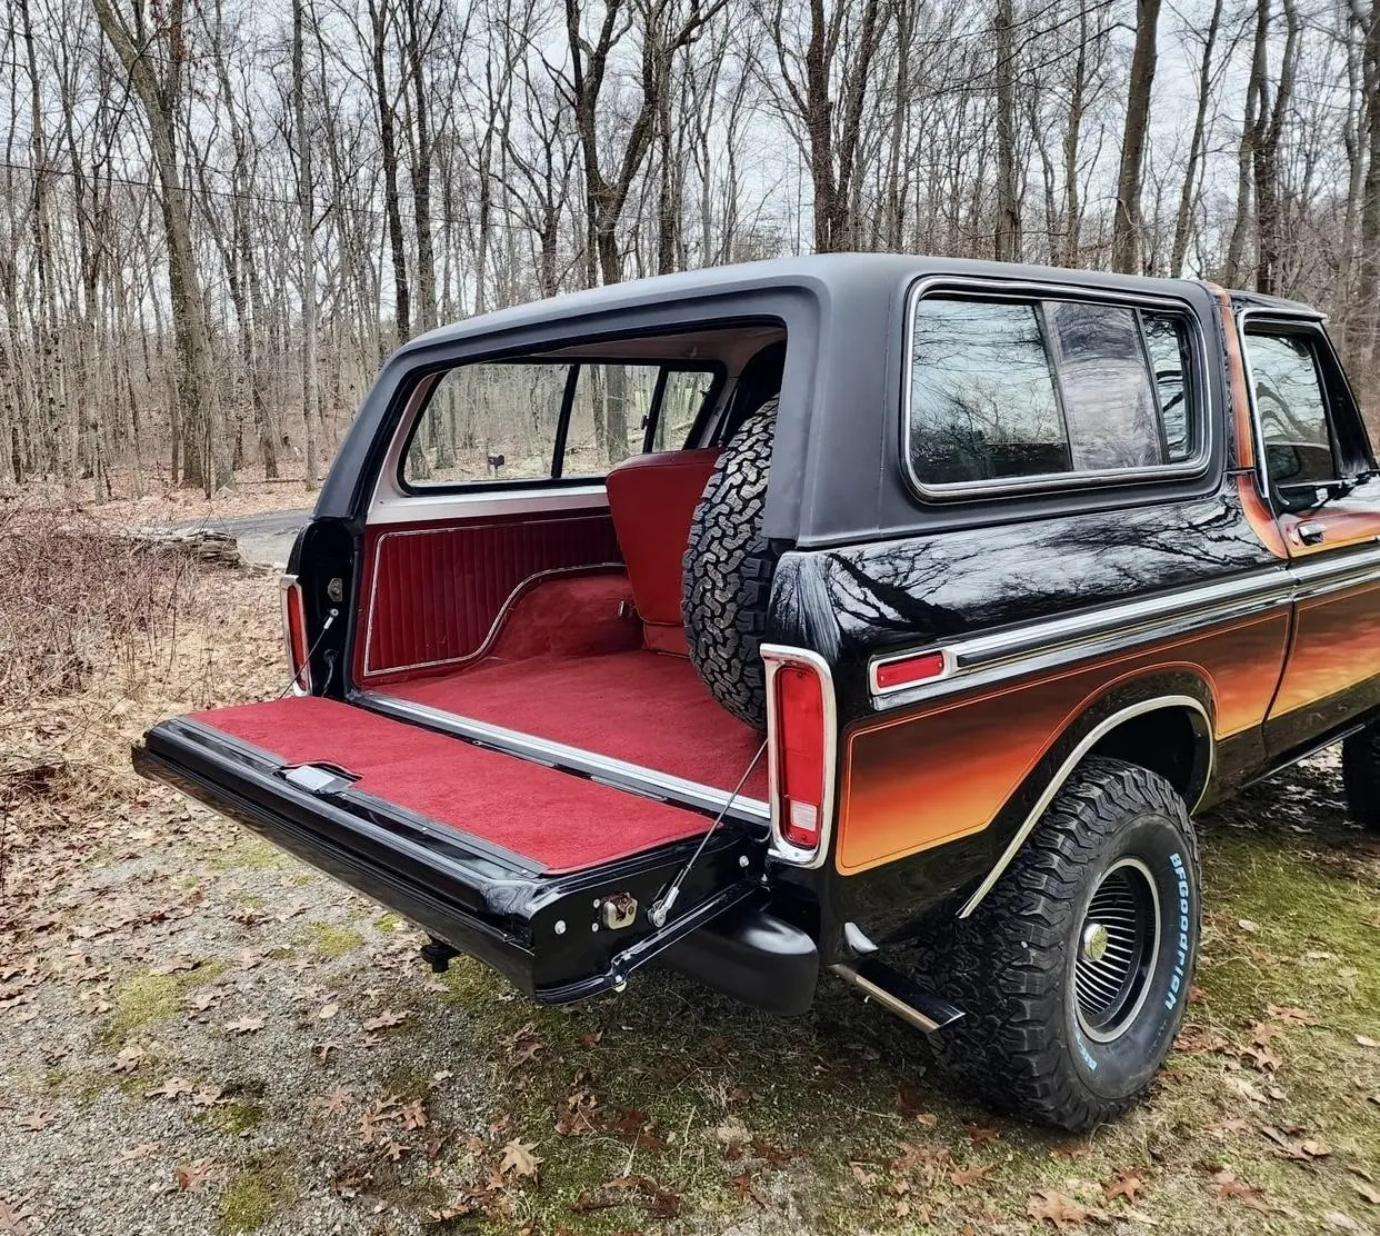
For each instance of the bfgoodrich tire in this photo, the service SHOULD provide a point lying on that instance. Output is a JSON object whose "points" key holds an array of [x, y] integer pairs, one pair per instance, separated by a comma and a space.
{"points": [[1075, 969], [1361, 776], [728, 572]]}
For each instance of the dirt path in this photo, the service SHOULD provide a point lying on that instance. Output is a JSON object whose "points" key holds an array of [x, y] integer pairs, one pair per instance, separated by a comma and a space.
{"points": [[198, 1034]]}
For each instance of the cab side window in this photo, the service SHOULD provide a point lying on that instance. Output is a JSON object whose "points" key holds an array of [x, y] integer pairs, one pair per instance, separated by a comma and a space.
{"points": [[1008, 390], [1300, 446]]}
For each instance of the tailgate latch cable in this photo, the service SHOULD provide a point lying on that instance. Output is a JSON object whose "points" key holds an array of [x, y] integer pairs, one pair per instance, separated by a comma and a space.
{"points": [[661, 907]]}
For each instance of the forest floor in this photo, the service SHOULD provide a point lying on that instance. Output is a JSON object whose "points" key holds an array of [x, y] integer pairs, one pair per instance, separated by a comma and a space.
{"points": [[198, 1034], [161, 506]]}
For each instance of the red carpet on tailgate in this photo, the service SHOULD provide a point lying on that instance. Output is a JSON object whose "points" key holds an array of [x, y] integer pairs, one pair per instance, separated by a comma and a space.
{"points": [[642, 707], [563, 822]]}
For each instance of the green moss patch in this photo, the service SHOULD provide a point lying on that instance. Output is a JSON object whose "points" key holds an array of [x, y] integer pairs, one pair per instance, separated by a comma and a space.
{"points": [[331, 941], [253, 1198]]}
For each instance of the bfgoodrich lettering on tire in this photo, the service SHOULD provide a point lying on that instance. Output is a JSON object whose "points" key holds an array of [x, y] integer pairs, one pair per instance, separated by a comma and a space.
{"points": [[1074, 971]]}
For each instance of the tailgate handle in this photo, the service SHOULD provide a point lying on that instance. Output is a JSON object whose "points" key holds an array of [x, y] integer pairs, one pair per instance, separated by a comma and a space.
{"points": [[320, 779]]}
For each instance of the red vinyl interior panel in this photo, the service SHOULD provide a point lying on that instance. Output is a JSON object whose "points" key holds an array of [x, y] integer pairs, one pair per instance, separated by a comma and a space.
{"points": [[431, 592], [560, 821]]}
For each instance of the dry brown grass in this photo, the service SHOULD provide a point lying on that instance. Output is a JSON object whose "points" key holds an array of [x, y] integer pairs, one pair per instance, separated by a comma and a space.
{"points": [[79, 602]]}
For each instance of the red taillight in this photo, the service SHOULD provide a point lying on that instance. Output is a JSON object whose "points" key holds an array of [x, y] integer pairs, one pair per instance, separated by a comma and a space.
{"points": [[800, 738], [295, 633], [902, 673]]}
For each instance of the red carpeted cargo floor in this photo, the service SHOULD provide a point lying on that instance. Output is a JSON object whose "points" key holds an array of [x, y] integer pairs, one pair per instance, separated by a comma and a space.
{"points": [[644, 707], [559, 821]]}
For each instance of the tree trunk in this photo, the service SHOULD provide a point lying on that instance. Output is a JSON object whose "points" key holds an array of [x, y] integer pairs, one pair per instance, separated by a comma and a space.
{"points": [[1183, 220], [1266, 163], [1368, 283], [1007, 246], [1126, 227], [1245, 155], [306, 235], [388, 143], [206, 460], [417, 42]]}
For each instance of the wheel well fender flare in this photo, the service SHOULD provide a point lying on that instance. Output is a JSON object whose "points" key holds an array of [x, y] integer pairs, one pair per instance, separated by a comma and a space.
{"points": [[1112, 712]]}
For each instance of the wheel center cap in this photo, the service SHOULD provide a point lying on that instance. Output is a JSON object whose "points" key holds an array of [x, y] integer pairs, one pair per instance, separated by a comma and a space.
{"points": [[1094, 941]]}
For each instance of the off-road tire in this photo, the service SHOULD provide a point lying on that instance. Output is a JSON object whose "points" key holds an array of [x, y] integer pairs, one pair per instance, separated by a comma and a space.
{"points": [[1361, 776], [1021, 1045], [728, 572]]}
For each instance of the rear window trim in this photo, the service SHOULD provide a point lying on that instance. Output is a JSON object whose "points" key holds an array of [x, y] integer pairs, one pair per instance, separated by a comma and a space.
{"points": [[432, 377], [1201, 410]]}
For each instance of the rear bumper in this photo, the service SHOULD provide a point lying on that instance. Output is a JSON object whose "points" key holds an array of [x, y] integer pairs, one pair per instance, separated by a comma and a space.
{"points": [[755, 957], [542, 932]]}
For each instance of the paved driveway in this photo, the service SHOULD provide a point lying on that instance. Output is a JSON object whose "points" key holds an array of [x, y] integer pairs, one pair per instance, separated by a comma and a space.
{"points": [[264, 540]]}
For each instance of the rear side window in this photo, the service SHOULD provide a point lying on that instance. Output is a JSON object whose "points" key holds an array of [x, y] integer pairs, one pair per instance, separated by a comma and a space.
{"points": [[609, 416], [1010, 391], [1109, 403], [487, 421], [983, 400]]}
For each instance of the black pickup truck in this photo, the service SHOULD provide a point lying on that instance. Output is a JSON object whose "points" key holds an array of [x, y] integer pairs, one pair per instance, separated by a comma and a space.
{"points": [[869, 616]]}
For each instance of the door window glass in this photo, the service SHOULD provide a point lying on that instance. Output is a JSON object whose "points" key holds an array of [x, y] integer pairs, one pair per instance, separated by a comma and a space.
{"points": [[1289, 400]]}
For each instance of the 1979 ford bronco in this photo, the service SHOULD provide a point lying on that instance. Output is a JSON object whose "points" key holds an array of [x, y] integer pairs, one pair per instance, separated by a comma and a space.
{"points": [[922, 605]]}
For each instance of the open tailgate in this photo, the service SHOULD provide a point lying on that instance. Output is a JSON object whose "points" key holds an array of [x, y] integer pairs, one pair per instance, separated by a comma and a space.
{"points": [[505, 859]]}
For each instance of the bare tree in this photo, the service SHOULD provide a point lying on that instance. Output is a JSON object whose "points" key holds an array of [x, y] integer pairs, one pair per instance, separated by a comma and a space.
{"points": [[1126, 228], [207, 460]]}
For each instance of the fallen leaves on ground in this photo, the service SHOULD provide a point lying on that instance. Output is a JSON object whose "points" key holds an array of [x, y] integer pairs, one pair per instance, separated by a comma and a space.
{"points": [[1305, 1150], [1125, 1184], [1229, 1188], [1060, 1210], [13, 1219], [173, 1088], [659, 1202], [195, 1176], [519, 1160]]}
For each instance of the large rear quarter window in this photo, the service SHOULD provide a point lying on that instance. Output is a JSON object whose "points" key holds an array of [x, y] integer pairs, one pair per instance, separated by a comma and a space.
{"points": [[1007, 392]]}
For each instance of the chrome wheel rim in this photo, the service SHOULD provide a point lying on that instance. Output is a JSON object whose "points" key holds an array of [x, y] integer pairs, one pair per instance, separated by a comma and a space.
{"points": [[1118, 943]]}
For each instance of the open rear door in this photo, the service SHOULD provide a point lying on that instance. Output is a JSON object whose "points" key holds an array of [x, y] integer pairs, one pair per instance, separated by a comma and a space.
{"points": [[542, 873]]}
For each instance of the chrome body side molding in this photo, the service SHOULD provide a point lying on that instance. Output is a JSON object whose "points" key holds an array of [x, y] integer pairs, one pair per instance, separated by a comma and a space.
{"points": [[619, 774], [1065, 770], [995, 657]]}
